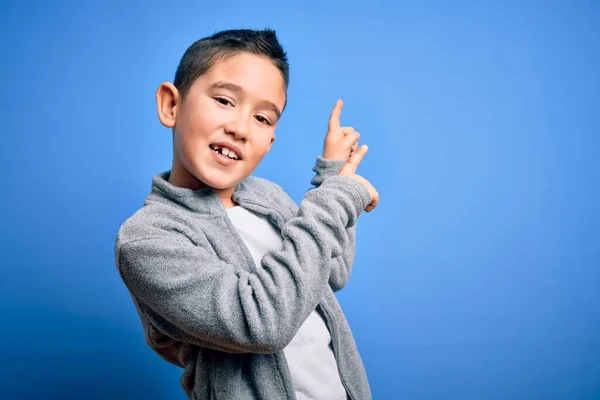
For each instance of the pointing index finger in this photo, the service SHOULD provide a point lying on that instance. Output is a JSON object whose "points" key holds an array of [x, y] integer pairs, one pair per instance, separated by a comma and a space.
{"points": [[334, 119]]}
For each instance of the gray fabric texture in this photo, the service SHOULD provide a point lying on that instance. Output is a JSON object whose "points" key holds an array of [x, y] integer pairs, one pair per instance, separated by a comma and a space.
{"points": [[206, 307]]}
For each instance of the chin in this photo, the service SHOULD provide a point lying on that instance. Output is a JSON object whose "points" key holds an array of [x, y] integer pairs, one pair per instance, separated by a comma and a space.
{"points": [[221, 185], [216, 177]]}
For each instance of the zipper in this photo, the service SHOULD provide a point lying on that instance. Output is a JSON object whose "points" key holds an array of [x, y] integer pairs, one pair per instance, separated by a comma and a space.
{"points": [[240, 241], [336, 351], [284, 371], [281, 220]]}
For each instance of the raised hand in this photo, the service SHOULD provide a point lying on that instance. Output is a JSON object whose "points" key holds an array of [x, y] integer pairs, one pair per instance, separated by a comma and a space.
{"points": [[340, 142], [349, 170]]}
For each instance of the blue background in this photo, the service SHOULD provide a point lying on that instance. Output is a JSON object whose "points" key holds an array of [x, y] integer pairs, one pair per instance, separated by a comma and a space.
{"points": [[478, 275]]}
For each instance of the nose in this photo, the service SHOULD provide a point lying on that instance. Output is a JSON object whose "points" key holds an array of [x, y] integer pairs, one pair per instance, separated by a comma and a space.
{"points": [[238, 127]]}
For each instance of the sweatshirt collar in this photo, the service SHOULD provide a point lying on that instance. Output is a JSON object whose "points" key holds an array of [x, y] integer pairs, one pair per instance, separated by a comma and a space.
{"points": [[201, 200]]}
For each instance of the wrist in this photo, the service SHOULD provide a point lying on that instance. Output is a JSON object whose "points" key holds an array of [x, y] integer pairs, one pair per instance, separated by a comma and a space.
{"points": [[325, 168], [333, 157], [344, 184]]}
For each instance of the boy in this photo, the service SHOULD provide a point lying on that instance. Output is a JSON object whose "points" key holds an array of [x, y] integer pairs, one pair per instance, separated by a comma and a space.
{"points": [[232, 280]]}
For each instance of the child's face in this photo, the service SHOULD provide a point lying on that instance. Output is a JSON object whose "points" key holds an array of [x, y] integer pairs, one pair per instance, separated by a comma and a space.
{"points": [[235, 105]]}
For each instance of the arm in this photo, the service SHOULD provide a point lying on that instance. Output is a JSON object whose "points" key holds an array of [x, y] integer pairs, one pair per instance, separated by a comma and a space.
{"points": [[340, 144], [194, 297], [341, 266]]}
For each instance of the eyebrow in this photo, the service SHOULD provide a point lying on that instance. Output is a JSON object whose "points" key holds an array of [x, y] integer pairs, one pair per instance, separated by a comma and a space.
{"points": [[238, 89]]}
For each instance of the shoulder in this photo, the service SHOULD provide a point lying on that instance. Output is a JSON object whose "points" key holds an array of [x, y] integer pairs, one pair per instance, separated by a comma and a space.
{"points": [[152, 221]]}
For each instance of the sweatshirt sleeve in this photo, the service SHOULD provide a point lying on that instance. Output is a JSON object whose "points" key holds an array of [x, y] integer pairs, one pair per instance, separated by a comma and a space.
{"points": [[341, 266], [194, 297]]}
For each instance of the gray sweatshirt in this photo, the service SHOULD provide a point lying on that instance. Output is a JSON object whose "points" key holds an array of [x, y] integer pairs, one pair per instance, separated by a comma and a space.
{"points": [[206, 307]]}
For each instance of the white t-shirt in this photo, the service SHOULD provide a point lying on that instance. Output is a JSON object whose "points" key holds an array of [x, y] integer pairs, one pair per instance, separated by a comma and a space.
{"points": [[309, 355]]}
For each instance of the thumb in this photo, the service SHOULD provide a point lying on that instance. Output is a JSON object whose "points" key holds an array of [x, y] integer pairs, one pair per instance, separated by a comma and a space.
{"points": [[351, 165]]}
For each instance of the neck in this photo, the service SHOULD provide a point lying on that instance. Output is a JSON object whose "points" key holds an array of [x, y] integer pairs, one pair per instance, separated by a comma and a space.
{"points": [[226, 199], [180, 177]]}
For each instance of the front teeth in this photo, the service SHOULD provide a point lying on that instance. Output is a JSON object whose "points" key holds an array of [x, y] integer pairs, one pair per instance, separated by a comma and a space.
{"points": [[226, 152]]}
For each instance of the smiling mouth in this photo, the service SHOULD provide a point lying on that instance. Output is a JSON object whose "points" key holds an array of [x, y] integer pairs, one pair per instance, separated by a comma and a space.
{"points": [[225, 152]]}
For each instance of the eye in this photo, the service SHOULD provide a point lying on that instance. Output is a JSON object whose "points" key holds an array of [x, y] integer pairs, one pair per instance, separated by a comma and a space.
{"points": [[262, 120], [223, 101]]}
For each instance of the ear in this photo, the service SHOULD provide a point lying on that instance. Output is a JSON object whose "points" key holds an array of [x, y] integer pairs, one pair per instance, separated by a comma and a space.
{"points": [[167, 102]]}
